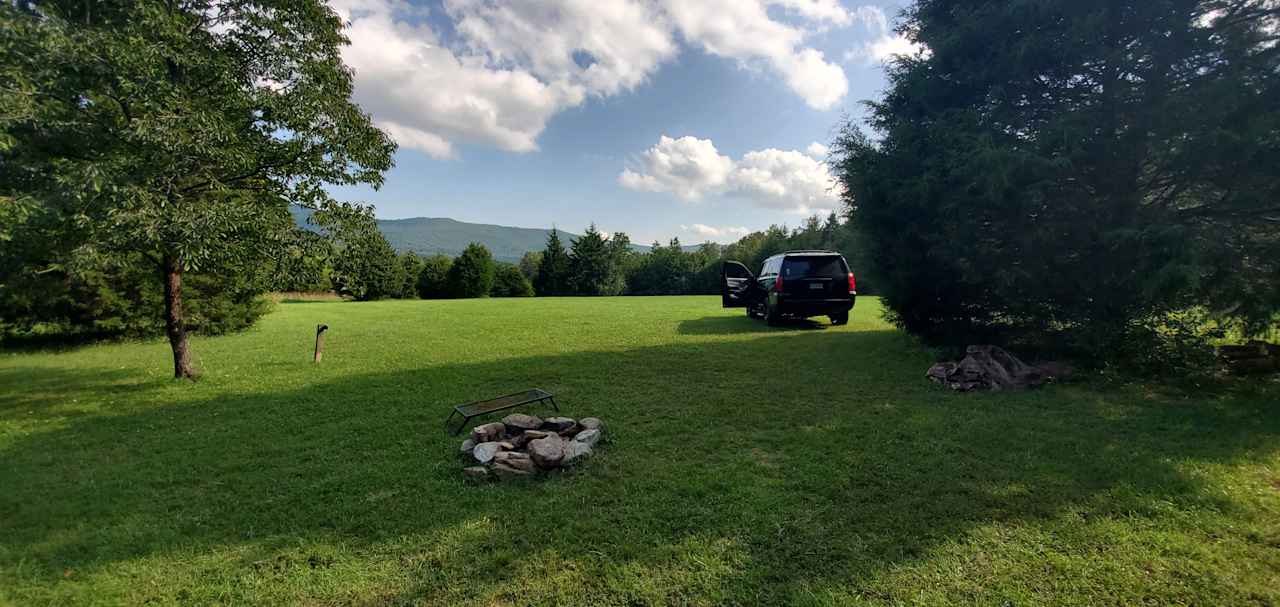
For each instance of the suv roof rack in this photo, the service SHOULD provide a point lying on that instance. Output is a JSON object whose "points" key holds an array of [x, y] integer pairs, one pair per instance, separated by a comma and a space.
{"points": [[804, 252]]}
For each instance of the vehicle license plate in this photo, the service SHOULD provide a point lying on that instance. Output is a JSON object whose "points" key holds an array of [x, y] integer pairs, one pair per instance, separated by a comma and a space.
{"points": [[815, 285]]}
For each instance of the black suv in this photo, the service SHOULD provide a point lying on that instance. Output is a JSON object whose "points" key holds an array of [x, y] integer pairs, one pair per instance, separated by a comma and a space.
{"points": [[796, 284]]}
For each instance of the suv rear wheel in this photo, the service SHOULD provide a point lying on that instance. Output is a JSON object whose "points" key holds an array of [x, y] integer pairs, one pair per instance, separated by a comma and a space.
{"points": [[839, 319]]}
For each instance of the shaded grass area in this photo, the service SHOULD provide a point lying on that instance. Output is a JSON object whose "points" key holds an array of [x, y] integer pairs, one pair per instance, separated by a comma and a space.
{"points": [[807, 465]]}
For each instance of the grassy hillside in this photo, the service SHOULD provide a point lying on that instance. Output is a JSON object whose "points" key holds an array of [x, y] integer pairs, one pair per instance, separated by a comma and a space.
{"points": [[743, 464]]}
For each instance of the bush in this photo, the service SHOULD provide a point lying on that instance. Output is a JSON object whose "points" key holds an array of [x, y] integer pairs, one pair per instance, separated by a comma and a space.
{"points": [[471, 274], [121, 296], [1172, 345], [216, 304]]}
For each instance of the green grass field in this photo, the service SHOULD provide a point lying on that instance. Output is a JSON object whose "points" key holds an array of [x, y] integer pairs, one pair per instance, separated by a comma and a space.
{"points": [[743, 464]]}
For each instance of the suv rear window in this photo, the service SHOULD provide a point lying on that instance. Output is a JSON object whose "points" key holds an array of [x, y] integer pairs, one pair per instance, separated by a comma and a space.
{"points": [[814, 267]]}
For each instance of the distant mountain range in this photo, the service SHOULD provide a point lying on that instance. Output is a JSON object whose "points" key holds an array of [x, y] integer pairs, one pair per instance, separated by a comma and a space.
{"points": [[441, 235]]}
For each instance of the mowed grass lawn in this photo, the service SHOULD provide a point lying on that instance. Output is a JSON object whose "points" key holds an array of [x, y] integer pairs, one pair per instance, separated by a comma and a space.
{"points": [[743, 464]]}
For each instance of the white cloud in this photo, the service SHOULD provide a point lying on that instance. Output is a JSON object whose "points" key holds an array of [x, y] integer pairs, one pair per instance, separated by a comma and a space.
{"points": [[887, 43], [706, 231], [687, 167], [513, 66], [822, 84], [430, 97], [886, 47], [409, 137], [603, 47], [817, 151], [742, 30], [817, 10], [785, 180], [692, 168]]}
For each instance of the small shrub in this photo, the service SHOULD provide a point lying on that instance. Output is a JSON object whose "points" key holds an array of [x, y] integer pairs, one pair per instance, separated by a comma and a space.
{"points": [[1173, 346]]}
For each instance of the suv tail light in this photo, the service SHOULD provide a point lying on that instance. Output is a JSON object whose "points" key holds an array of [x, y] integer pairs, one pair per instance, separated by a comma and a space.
{"points": [[777, 284], [853, 284]]}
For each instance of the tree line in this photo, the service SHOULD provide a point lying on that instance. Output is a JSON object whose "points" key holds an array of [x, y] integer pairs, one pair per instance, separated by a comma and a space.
{"points": [[598, 265], [345, 252], [348, 255]]}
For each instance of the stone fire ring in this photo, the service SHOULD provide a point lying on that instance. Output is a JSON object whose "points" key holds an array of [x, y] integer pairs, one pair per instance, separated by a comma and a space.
{"points": [[522, 445]]}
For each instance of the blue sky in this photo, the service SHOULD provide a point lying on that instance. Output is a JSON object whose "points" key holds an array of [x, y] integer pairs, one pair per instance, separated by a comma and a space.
{"points": [[658, 118]]}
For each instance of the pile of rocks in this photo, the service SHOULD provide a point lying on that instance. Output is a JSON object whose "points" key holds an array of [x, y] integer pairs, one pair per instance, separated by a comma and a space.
{"points": [[1253, 357], [993, 368], [523, 445]]}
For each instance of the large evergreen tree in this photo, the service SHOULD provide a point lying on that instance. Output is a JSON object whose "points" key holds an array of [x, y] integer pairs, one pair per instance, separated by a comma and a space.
{"points": [[1079, 168], [553, 272], [177, 129], [593, 265]]}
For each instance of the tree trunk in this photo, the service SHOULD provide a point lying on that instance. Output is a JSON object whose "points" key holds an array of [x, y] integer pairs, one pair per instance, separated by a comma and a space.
{"points": [[174, 321]]}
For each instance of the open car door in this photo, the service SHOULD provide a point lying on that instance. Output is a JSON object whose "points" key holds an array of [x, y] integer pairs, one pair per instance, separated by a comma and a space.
{"points": [[736, 283]]}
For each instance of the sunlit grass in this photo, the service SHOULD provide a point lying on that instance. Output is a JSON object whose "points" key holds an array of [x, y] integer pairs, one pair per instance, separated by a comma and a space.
{"points": [[806, 465]]}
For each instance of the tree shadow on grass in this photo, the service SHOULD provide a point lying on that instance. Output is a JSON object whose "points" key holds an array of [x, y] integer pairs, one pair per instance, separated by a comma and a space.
{"points": [[724, 479], [44, 392], [724, 325], [309, 301]]}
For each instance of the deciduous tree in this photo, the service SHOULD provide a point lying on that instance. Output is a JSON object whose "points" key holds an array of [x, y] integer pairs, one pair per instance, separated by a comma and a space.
{"points": [[529, 264], [365, 265], [471, 274], [508, 281], [411, 269], [433, 280], [178, 129]]}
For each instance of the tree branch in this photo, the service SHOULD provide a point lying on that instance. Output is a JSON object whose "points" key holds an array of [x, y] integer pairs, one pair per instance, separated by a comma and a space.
{"points": [[256, 172]]}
